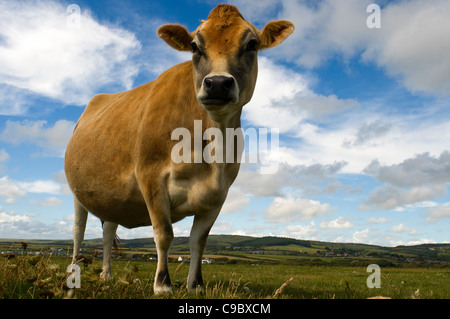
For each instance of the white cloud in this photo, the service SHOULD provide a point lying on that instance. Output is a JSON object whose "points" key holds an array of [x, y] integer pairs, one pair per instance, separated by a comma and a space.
{"points": [[41, 187], [411, 183], [236, 200], [222, 227], [403, 229], [53, 139], [389, 197], [424, 204], [251, 182], [411, 45], [14, 101], [41, 54], [4, 156], [13, 225], [369, 132], [275, 83], [421, 241], [420, 170], [287, 179], [60, 177], [11, 217], [48, 202], [322, 29], [302, 232], [9, 190], [373, 220], [339, 223], [358, 145], [125, 233], [12, 190], [333, 27], [282, 99], [285, 210], [438, 212], [240, 233], [361, 236]]}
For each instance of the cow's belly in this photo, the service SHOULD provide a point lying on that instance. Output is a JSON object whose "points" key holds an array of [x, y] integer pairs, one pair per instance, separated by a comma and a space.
{"points": [[106, 202], [121, 202], [127, 213]]}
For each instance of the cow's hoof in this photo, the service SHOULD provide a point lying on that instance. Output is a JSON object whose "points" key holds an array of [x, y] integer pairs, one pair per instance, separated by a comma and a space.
{"points": [[105, 275], [162, 290], [195, 289]]}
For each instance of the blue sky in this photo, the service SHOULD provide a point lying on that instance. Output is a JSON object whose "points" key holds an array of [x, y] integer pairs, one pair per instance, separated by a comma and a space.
{"points": [[363, 114]]}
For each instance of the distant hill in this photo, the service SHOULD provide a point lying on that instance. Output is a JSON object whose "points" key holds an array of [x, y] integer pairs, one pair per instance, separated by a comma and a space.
{"points": [[270, 248], [263, 242]]}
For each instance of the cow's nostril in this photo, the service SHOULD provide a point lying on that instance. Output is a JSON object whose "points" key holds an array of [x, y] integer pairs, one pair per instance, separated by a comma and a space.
{"points": [[228, 84], [219, 83], [208, 83]]}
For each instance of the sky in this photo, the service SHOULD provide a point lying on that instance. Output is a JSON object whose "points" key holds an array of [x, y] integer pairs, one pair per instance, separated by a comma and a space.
{"points": [[363, 114]]}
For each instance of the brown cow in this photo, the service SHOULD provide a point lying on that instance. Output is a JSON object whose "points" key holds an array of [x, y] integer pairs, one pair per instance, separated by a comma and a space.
{"points": [[118, 162]]}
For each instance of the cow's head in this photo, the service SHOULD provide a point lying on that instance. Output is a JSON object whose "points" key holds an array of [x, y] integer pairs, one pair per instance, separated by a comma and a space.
{"points": [[224, 54]]}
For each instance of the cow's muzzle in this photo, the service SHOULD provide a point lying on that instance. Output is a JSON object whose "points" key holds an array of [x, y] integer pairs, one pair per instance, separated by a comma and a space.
{"points": [[218, 90]]}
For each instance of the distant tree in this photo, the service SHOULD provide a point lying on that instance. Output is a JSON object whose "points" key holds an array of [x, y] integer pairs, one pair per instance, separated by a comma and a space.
{"points": [[24, 247]]}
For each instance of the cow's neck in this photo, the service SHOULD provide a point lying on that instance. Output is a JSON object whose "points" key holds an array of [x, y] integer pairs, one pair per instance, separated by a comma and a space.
{"points": [[231, 121], [225, 147]]}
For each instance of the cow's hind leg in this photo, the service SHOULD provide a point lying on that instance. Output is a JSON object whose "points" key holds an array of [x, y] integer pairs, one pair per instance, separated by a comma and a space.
{"points": [[109, 235], [79, 227]]}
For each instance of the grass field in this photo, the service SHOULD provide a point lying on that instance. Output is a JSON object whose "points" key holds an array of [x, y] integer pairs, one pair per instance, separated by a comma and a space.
{"points": [[26, 277]]}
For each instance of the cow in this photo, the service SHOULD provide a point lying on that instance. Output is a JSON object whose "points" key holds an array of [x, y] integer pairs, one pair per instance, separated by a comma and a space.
{"points": [[118, 161]]}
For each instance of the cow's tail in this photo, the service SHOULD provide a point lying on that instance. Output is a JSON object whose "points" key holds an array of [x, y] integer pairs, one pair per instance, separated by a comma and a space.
{"points": [[116, 243]]}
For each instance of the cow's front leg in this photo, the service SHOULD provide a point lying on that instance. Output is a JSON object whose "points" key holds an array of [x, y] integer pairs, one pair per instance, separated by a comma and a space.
{"points": [[199, 235], [157, 201], [158, 206], [163, 236]]}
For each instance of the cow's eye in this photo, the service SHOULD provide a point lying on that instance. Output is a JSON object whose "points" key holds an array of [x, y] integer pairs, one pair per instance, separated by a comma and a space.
{"points": [[252, 45], [195, 48]]}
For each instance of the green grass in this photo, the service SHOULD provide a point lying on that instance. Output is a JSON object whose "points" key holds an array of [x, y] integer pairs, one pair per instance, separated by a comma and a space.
{"points": [[42, 277]]}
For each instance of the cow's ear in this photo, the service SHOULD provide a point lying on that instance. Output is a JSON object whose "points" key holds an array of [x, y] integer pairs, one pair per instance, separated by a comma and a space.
{"points": [[176, 36], [275, 32]]}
